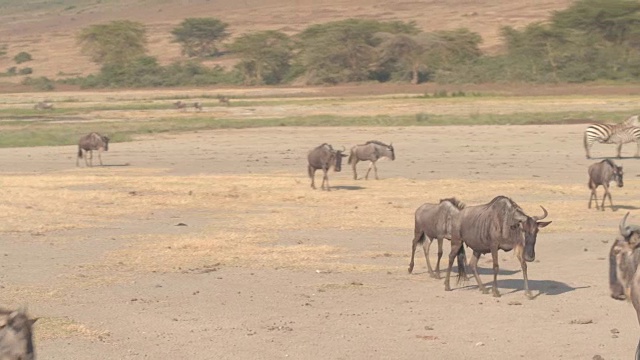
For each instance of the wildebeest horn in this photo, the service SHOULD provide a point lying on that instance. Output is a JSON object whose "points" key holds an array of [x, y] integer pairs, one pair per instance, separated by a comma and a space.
{"points": [[624, 231], [343, 148], [536, 218]]}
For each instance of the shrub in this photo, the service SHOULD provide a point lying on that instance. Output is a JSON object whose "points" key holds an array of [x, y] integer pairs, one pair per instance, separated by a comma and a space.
{"points": [[22, 57]]}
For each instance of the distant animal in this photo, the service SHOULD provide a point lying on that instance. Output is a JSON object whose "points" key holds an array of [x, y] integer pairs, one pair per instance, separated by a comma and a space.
{"points": [[499, 225], [619, 134], [42, 105], [90, 142], [224, 100], [197, 106], [370, 151], [602, 173], [16, 335], [180, 105], [324, 157], [434, 221]]}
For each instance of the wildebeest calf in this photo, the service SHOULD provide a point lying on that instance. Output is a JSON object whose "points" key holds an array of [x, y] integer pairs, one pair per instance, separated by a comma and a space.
{"points": [[324, 157], [224, 100], [182, 106], [499, 225], [90, 142], [434, 221], [16, 336], [602, 173], [197, 106]]}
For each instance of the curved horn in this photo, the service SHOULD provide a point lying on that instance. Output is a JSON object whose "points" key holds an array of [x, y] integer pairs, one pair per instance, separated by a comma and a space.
{"points": [[536, 218], [624, 231], [343, 148]]}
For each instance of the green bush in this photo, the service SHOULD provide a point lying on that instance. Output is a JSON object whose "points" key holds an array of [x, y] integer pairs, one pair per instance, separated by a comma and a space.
{"points": [[22, 57], [25, 71], [40, 83]]}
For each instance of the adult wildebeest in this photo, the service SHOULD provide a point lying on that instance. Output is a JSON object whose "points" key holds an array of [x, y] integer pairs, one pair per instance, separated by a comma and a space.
{"points": [[324, 157], [602, 173], [619, 134], [197, 106], [16, 337], [370, 151], [224, 100], [90, 142], [624, 258], [42, 105], [499, 225], [434, 221], [182, 106]]}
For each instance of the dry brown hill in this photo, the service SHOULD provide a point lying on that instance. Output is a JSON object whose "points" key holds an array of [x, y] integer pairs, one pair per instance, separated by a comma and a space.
{"points": [[48, 32]]}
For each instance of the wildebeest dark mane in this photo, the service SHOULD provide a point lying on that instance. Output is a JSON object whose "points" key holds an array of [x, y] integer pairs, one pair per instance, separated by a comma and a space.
{"points": [[610, 162], [487, 216], [376, 142], [455, 202]]}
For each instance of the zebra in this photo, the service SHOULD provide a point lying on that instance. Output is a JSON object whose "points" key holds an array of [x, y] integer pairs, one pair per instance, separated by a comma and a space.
{"points": [[625, 132]]}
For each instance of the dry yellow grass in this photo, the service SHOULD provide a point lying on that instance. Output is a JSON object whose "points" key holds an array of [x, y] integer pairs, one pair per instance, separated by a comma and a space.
{"points": [[251, 214]]}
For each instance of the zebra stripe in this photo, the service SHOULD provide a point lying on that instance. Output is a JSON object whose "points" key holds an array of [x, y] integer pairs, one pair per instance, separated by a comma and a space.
{"points": [[625, 132]]}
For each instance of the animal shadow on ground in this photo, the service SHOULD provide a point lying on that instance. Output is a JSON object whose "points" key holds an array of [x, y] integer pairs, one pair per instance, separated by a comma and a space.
{"points": [[348, 187], [538, 287], [624, 207], [116, 165]]}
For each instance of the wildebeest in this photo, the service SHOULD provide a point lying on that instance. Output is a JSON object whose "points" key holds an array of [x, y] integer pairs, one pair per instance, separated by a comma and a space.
{"points": [[499, 225], [324, 157], [224, 100], [602, 173], [42, 105], [624, 258], [90, 142], [370, 151], [619, 134], [16, 336], [433, 221], [182, 106], [197, 106]]}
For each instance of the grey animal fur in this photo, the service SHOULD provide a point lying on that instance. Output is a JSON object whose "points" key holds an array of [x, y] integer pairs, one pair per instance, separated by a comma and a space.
{"points": [[433, 221], [90, 142], [370, 151], [324, 157], [499, 225], [16, 335], [602, 173]]}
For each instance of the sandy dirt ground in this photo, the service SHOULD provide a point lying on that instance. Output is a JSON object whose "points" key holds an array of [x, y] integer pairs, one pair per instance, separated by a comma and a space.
{"points": [[212, 245]]}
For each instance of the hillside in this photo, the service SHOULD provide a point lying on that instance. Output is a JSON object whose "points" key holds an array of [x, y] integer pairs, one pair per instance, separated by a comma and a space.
{"points": [[47, 29]]}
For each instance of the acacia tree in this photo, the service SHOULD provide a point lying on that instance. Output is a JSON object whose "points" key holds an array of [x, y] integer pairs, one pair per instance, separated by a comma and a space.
{"points": [[199, 36], [265, 55], [115, 43]]}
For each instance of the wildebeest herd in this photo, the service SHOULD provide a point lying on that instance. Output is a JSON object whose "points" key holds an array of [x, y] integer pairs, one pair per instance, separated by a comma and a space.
{"points": [[499, 224]]}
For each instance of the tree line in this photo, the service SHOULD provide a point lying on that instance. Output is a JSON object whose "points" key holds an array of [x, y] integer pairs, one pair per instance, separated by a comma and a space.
{"points": [[590, 40]]}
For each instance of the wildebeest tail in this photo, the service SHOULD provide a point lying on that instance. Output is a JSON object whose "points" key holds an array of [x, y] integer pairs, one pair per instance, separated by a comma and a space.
{"points": [[351, 157], [79, 152], [310, 171], [462, 265]]}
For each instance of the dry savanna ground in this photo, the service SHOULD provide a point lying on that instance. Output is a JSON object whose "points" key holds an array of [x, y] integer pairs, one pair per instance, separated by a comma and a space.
{"points": [[211, 244]]}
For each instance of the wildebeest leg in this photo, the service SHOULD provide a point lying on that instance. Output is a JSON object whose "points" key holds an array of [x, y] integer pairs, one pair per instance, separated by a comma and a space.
{"points": [[366, 177], [592, 197], [312, 175], [375, 170], [638, 150], [353, 166], [416, 239], [100, 156], [325, 178], [606, 193], [638, 351], [496, 268], [617, 291], [90, 153], [473, 264], [440, 241], [425, 247], [523, 265], [456, 246]]}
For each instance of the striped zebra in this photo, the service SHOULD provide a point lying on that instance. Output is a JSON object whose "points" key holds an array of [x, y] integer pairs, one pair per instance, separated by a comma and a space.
{"points": [[625, 132]]}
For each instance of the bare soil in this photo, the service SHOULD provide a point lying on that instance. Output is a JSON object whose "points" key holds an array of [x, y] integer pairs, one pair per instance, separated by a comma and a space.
{"points": [[212, 245]]}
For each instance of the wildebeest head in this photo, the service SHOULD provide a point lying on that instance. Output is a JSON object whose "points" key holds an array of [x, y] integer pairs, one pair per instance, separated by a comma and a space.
{"points": [[338, 161], [105, 139], [627, 230], [16, 336], [392, 151], [530, 226], [617, 175]]}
